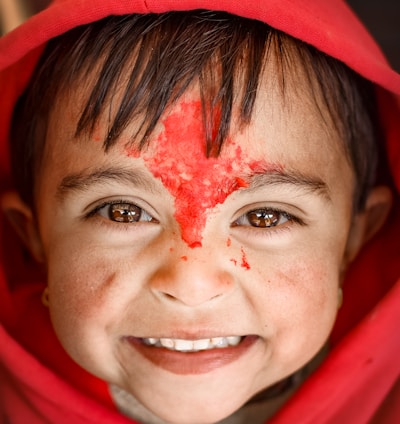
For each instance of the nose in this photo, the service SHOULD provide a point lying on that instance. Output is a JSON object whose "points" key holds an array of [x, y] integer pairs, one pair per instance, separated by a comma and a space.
{"points": [[191, 281]]}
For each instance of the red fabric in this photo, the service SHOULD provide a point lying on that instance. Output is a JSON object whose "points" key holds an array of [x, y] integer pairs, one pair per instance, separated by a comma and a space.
{"points": [[39, 383], [326, 25]]}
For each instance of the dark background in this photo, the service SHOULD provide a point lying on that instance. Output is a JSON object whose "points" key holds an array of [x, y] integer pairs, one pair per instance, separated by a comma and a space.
{"points": [[381, 17]]}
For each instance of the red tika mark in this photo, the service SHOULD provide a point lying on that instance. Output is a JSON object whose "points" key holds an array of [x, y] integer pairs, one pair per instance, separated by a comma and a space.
{"points": [[198, 183], [241, 183]]}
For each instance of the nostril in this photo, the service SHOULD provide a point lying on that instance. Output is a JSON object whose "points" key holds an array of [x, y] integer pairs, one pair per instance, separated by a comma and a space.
{"points": [[169, 296], [187, 299], [191, 283]]}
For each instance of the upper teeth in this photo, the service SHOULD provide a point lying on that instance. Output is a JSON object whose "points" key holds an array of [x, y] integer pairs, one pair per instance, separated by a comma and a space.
{"points": [[193, 345]]}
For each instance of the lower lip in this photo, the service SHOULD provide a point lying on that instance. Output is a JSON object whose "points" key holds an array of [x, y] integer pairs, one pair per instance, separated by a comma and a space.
{"points": [[192, 362]]}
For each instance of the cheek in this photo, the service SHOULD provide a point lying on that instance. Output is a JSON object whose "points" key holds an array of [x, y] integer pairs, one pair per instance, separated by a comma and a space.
{"points": [[305, 307], [314, 283], [84, 307], [80, 286], [299, 301]]}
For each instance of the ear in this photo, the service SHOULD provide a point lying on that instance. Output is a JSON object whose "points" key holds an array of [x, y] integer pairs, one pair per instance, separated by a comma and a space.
{"points": [[23, 221], [369, 221]]}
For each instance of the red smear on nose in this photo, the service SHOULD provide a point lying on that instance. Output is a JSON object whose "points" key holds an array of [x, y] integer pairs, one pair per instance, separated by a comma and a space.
{"points": [[198, 183]]}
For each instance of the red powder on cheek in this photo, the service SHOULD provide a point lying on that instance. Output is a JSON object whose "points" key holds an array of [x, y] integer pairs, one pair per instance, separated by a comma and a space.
{"points": [[244, 263], [197, 183]]}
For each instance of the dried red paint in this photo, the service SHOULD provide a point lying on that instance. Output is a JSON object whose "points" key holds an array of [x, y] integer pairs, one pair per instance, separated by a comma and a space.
{"points": [[184, 258], [241, 183], [234, 261], [244, 263], [197, 182]]}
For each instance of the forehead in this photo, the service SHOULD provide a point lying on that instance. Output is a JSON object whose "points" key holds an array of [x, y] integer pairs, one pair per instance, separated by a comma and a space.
{"points": [[288, 128], [290, 124], [107, 85]]}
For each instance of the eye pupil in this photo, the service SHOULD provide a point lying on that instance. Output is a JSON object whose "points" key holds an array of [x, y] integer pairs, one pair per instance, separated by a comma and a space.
{"points": [[263, 218], [125, 212]]}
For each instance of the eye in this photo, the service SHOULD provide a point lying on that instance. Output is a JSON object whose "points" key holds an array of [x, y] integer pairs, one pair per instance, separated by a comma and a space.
{"points": [[263, 218], [123, 212]]}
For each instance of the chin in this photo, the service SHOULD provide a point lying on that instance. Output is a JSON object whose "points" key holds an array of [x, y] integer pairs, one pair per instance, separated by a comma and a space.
{"points": [[179, 411], [205, 417]]}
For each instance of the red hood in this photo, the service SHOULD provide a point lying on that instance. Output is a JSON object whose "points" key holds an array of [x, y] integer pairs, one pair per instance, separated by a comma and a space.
{"points": [[365, 362]]}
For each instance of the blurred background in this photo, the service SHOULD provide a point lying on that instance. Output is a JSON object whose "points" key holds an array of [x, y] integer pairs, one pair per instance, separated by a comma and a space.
{"points": [[382, 18]]}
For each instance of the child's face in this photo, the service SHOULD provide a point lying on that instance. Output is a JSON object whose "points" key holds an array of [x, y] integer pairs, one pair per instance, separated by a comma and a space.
{"points": [[249, 245]]}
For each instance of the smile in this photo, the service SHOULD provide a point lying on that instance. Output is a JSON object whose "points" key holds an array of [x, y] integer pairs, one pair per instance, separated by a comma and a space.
{"points": [[197, 356], [182, 345]]}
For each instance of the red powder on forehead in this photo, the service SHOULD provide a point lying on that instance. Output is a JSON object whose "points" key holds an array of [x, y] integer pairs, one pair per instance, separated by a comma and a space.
{"points": [[198, 183]]}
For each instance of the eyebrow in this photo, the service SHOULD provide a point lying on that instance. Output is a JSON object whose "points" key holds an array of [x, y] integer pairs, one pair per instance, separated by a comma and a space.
{"points": [[84, 181], [292, 178]]}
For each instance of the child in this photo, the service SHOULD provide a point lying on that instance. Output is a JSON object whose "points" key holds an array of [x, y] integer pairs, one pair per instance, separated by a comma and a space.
{"points": [[194, 187]]}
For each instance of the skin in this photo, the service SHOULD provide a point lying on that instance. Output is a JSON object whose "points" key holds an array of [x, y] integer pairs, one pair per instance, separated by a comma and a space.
{"points": [[108, 280]]}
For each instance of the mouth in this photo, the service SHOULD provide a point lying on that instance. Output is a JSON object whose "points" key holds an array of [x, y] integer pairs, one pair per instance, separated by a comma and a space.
{"points": [[192, 356]]}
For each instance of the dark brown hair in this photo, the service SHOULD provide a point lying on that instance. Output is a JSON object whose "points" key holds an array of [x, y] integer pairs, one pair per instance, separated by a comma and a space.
{"points": [[162, 56]]}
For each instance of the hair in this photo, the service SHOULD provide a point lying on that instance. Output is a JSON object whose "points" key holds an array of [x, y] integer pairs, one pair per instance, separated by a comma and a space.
{"points": [[162, 56]]}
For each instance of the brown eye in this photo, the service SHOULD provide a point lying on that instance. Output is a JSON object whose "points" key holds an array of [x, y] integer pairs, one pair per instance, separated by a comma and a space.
{"points": [[124, 212], [264, 218]]}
